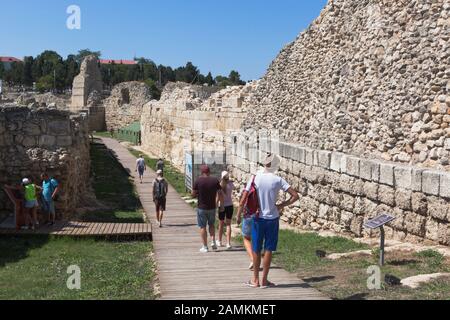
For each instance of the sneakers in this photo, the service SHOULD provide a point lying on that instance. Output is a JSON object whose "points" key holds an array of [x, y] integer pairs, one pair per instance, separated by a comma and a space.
{"points": [[229, 247], [204, 250], [250, 267], [213, 245], [218, 243]]}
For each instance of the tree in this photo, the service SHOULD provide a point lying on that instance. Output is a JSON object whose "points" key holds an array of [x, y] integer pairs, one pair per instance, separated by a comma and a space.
{"points": [[210, 80], [156, 93], [223, 82], [44, 84], [235, 78], [28, 71], [84, 53], [72, 69], [2, 70]]}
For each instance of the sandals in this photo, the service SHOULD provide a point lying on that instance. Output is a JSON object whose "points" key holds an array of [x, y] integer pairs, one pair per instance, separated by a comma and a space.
{"points": [[250, 284], [269, 285]]}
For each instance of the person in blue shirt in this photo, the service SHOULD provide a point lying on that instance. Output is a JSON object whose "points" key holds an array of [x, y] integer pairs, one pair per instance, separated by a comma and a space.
{"points": [[50, 189]]}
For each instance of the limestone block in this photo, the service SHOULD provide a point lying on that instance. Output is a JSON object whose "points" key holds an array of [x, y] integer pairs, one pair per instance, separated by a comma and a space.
{"points": [[403, 199], [419, 203], [387, 174], [47, 141], [416, 179], [336, 159], [58, 127], [386, 195], [309, 157], [431, 182], [352, 167], [403, 177], [365, 169], [324, 159]]}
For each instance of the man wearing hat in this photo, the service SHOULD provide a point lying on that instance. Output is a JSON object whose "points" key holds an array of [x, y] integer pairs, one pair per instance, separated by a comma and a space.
{"points": [[266, 224], [207, 190]]}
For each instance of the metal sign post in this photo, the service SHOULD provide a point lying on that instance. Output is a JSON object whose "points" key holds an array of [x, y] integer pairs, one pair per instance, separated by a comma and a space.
{"points": [[380, 222]]}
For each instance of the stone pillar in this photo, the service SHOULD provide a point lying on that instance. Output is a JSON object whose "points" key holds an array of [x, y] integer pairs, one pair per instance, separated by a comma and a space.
{"points": [[89, 80]]}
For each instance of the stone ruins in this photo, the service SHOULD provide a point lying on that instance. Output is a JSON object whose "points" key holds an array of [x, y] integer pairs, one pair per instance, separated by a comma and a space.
{"points": [[357, 107], [360, 101], [88, 81], [124, 105], [36, 140]]}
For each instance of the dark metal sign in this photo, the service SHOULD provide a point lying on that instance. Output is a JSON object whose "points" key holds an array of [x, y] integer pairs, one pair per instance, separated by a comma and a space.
{"points": [[379, 221]]}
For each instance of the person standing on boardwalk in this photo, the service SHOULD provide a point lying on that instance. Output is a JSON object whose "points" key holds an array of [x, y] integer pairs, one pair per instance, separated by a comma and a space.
{"points": [[160, 190], [50, 189], [160, 165], [226, 211], [141, 167], [31, 201], [207, 190], [266, 223]]}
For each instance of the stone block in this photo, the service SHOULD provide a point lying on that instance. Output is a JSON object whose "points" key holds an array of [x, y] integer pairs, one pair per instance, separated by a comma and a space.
{"points": [[403, 199], [324, 159], [352, 166], [444, 189], [46, 140], [375, 171], [58, 127], [309, 157], [335, 161], [403, 177], [371, 190], [386, 195], [416, 179], [387, 174], [365, 169], [419, 203], [430, 182]]}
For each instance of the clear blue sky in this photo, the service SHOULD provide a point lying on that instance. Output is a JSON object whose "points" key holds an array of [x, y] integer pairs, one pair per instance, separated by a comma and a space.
{"points": [[217, 36]]}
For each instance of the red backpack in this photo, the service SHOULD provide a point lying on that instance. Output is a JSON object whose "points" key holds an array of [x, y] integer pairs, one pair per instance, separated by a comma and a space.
{"points": [[251, 207]]}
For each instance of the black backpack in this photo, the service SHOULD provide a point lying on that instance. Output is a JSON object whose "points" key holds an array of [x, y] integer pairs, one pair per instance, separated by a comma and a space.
{"points": [[160, 189]]}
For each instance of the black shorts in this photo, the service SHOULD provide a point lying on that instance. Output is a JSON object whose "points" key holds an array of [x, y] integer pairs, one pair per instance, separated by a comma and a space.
{"points": [[160, 204], [228, 213]]}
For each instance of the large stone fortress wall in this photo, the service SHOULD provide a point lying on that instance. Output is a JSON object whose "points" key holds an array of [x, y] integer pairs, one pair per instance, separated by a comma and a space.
{"points": [[340, 192], [361, 106], [368, 77], [37, 140]]}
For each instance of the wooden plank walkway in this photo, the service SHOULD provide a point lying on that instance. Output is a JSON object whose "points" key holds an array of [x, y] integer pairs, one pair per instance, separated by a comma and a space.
{"points": [[184, 272], [81, 229]]}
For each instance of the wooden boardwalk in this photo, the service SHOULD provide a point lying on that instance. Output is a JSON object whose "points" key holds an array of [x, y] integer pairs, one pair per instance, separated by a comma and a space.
{"points": [[184, 272], [85, 229]]}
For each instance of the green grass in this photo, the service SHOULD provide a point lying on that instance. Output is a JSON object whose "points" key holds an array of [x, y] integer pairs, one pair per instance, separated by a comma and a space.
{"points": [[114, 187], [347, 278], [172, 175], [35, 268], [104, 134]]}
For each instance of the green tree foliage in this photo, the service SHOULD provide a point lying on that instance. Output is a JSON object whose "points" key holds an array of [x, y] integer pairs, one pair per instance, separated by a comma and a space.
{"points": [[156, 93], [45, 83], [84, 53], [50, 71]]}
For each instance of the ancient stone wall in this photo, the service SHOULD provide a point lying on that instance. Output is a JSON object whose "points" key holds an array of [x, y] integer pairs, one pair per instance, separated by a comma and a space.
{"points": [[190, 117], [340, 192], [125, 104], [37, 140], [368, 77]]}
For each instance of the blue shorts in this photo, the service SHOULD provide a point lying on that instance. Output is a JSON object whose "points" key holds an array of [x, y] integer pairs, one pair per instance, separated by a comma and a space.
{"points": [[31, 204], [48, 206], [206, 217], [265, 231], [247, 227], [141, 171]]}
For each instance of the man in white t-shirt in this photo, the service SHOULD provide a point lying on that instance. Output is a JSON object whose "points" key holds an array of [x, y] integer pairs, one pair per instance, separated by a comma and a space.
{"points": [[141, 167], [266, 225]]}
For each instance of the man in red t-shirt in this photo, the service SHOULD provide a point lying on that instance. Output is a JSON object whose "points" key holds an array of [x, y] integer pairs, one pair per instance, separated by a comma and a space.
{"points": [[206, 189]]}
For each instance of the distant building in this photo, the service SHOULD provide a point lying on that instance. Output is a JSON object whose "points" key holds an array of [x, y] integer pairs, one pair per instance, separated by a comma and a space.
{"points": [[125, 62], [8, 61]]}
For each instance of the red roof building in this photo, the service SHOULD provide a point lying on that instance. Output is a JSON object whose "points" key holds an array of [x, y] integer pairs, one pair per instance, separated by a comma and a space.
{"points": [[9, 59], [125, 62]]}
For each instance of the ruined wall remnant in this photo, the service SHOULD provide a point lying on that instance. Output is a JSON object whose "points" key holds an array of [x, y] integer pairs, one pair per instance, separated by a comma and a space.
{"points": [[126, 103], [89, 80], [189, 117], [37, 140]]}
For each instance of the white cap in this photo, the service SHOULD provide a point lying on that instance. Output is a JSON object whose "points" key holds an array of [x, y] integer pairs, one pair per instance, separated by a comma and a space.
{"points": [[159, 172], [25, 181], [225, 174]]}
